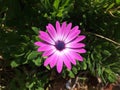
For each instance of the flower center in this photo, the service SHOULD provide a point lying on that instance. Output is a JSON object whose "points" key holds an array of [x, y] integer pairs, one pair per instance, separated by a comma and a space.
{"points": [[60, 45]]}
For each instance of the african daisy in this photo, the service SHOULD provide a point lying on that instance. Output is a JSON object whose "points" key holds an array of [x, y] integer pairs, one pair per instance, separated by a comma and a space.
{"points": [[61, 45]]}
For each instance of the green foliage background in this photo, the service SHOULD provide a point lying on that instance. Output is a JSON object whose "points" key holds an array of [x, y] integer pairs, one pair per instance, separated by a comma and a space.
{"points": [[20, 20]]}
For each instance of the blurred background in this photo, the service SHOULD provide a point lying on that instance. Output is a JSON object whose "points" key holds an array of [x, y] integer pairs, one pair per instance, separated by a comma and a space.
{"points": [[21, 66]]}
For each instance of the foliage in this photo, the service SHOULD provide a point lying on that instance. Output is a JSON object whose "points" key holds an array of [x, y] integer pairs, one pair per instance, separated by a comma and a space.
{"points": [[20, 21]]}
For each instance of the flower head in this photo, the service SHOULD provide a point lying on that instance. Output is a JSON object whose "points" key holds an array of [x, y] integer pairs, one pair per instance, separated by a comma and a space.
{"points": [[61, 45]]}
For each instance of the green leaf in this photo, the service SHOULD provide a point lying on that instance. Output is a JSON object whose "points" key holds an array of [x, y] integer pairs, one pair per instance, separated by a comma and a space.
{"points": [[56, 4], [74, 69], [106, 52], [35, 29], [99, 70], [89, 64], [65, 3], [60, 13], [48, 67], [38, 61], [19, 55], [40, 88], [71, 74], [47, 4], [118, 1], [110, 6], [33, 55], [84, 65], [14, 64], [30, 85]]}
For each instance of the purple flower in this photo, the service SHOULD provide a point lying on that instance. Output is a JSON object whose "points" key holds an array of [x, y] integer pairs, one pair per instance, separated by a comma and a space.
{"points": [[61, 45]]}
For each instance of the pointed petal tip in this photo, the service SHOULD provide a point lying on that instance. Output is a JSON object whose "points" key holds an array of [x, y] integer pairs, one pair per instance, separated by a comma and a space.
{"points": [[59, 66], [82, 37], [81, 60], [37, 43], [59, 71], [47, 27], [70, 24], [40, 31], [82, 51], [74, 63], [46, 62], [39, 50], [64, 22], [69, 68], [57, 21]]}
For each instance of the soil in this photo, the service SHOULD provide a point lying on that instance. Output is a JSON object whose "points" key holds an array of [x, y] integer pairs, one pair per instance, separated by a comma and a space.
{"points": [[60, 84]]}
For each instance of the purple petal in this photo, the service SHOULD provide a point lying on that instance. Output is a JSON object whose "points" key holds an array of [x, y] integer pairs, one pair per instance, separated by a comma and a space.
{"points": [[79, 50], [51, 30], [48, 60], [77, 56], [73, 33], [72, 36], [59, 65], [79, 38], [45, 48], [41, 44], [66, 62], [54, 61], [44, 36], [58, 28], [75, 28], [67, 30], [48, 53], [75, 45], [37, 43], [70, 57], [63, 28]]}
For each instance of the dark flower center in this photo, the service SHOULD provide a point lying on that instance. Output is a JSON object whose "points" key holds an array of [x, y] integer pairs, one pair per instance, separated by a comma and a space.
{"points": [[60, 45]]}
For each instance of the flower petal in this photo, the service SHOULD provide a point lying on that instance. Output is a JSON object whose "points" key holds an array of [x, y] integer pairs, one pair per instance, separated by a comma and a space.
{"points": [[45, 48], [67, 30], [63, 28], [66, 61], [49, 52], [51, 30], [48, 60], [72, 35], [59, 65], [75, 45], [70, 57], [59, 31], [75, 28], [77, 56], [54, 61], [79, 38], [44, 36], [58, 28], [78, 50], [37, 43], [41, 44]]}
